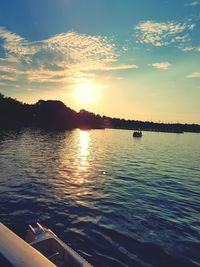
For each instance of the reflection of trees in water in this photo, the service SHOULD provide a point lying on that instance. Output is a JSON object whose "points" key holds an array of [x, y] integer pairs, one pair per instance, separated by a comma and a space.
{"points": [[29, 158], [6, 135]]}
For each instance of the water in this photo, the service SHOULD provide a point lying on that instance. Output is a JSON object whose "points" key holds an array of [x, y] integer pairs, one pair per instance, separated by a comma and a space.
{"points": [[117, 200]]}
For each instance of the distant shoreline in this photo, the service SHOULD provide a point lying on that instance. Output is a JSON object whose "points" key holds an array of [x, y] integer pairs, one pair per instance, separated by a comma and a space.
{"points": [[55, 115]]}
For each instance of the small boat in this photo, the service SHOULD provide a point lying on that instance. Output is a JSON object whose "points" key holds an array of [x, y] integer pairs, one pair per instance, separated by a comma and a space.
{"points": [[41, 249], [137, 134]]}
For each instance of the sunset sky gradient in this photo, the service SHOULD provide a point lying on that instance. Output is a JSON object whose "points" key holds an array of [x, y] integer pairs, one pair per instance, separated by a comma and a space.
{"points": [[129, 59]]}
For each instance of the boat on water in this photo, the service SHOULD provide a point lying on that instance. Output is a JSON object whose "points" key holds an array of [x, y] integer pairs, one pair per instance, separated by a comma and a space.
{"points": [[42, 248], [137, 134]]}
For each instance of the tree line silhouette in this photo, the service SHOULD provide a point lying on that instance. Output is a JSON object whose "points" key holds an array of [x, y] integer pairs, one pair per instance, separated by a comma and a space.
{"points": [[55, 115]]}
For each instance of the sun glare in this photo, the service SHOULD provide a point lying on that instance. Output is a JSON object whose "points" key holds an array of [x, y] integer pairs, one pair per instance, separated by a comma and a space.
{"points": [[87, 92]]}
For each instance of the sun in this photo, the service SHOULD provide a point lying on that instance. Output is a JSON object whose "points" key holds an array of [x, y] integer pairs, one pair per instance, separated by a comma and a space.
{"points": [[87, 92]]}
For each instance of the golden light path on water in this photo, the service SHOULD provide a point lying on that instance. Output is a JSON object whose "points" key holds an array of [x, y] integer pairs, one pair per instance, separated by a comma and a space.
{"points": [[82, 180], [75, 167], [80, 177], [84, 139]]}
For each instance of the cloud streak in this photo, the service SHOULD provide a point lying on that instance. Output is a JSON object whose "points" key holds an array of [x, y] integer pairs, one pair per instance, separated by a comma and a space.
{"points": [[122, 67], [195, 74], [161, 65], [194, 3]]}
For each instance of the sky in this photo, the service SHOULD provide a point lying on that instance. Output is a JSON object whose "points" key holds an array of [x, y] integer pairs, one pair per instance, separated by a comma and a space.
{"points": [[132, 59]]}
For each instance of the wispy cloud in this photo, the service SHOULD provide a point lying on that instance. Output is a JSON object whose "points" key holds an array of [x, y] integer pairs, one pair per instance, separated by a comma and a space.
{"points": [[195, 74], [190, 48], [122, 67], [5, 77], [161, 65], [9, 69], [63, 58], [16, 46], [194, 3], [187, 48], [163, 33]]}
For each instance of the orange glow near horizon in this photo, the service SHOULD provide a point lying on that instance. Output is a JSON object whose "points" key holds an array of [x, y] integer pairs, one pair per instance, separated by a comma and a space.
{"points": [[87, 93]]}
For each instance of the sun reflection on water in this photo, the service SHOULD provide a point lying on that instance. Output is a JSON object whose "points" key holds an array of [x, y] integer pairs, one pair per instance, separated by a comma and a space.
{"points": [[84, 144], [75, 172], [82, 157]]}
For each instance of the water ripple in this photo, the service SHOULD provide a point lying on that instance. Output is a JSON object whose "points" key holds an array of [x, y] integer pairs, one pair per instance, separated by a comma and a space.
{"points": [[117, 200]]}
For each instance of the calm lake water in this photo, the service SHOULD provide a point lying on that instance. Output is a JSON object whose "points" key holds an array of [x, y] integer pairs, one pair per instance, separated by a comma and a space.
{"points": [[117, 200]]}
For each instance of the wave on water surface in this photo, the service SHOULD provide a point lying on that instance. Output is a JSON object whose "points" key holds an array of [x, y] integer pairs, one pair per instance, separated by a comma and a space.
{"points": [[118, 201]]}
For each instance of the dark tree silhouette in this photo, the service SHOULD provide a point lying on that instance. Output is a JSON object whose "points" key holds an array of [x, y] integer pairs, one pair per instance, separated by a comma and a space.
{"points": [[55, 115]]}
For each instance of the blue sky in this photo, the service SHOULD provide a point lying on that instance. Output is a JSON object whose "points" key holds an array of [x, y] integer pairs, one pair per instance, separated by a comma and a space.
{"points": [[132, 59]]}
